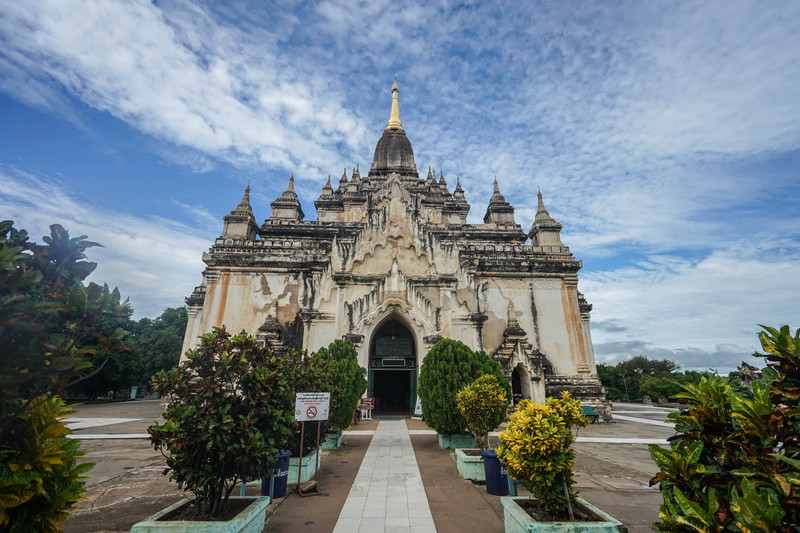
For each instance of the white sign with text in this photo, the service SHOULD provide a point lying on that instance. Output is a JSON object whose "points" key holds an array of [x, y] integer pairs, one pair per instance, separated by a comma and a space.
{"points": [[311, 406]]}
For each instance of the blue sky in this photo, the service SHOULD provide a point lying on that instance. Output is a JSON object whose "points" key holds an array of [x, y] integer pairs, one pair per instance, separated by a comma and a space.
{"points": [[665, 136]]}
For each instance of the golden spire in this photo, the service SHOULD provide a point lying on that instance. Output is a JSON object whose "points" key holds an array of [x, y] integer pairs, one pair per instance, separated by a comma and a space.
{"points": [[394, 116]]}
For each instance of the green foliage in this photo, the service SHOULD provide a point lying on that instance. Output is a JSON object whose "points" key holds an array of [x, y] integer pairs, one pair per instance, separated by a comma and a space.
{"points": [[641, 376], [231, 406], [39, 475], [48, 318], [447, 368], [734, 464], [47, 315], [349, 382], [481, 403], [154, 345], [536, 448]]}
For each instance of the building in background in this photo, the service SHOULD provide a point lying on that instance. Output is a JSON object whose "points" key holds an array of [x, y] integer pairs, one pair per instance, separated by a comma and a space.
{"points": [[392, 264]]}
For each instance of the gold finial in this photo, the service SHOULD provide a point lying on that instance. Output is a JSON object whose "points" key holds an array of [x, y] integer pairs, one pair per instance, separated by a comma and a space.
{"points": [[394, 116]]}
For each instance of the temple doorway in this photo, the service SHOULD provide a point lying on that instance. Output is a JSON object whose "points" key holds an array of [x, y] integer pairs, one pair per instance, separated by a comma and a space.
{"points": [[393, 369]]}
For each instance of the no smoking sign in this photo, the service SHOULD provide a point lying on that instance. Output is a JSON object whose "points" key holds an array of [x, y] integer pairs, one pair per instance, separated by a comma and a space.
{"points": [[311, 406]]}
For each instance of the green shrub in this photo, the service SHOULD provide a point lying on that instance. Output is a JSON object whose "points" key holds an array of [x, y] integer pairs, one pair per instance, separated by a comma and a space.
{"points": [[481, 403], [231, 407], [734, 464], [349, 382], [39, 476], [447, 368], [536, 448]]}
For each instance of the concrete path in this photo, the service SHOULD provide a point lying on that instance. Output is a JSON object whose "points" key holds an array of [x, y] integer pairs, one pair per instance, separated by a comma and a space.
{"points": [[387, 494]]}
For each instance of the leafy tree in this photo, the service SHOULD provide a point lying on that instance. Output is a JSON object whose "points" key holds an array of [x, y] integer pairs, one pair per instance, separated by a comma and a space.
{"points": [[230, 410], [349, 382], [153, 345], [447, 368], [734, 464], [47, 315]]}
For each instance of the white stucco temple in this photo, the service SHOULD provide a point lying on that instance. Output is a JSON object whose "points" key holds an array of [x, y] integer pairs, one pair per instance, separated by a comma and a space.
{"points": [[392, 264]]}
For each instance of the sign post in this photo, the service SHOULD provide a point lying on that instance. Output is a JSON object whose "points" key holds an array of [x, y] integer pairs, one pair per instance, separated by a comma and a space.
{"points": [[310, 406], [366, 405]]}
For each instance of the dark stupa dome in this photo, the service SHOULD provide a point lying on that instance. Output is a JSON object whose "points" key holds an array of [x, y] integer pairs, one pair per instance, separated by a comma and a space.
{"points": [[393, 152]]}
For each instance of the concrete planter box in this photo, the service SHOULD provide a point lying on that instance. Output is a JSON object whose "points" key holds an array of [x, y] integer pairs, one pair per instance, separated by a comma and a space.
{"points": [[518, 521], [457, 441], [310, 465], [470, 466], [250, 520], [333, 439]]}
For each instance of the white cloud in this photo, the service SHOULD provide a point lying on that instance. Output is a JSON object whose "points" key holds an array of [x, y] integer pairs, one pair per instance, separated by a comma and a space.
{"points": [[179, 75], [154, 261], [696, 312]]}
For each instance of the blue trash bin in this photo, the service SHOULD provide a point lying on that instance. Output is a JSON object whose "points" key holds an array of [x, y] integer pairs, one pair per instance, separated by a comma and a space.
{"points": [[496, 477], [280, 475]]}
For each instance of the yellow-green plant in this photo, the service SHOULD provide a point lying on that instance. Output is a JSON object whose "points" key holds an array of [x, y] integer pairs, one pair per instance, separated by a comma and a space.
{"points": [[481, 403], [40, 478], [536, 448]]}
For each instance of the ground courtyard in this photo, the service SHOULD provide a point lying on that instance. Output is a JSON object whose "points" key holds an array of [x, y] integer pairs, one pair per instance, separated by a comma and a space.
{"points": [[389, 476]]}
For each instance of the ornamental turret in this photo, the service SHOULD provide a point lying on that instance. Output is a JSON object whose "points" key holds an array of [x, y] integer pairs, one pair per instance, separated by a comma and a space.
{"points": [[241, 222], [287, 206], [545, 231]]}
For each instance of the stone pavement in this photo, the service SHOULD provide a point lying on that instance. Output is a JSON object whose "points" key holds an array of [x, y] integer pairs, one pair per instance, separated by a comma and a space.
{"points": [[612, 470], [387, 494]]}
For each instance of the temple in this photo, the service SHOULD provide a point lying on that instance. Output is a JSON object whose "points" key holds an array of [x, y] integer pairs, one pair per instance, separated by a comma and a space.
{"points": [[392, 264]]}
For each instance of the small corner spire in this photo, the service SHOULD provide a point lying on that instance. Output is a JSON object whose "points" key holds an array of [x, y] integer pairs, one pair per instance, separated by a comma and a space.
{"points": [[496, 187]]}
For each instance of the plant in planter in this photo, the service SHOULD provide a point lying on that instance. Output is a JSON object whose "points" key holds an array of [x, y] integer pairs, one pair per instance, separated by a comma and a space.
{"points": [[536, 448], [734, 464], [483, 405], [447, 368], [349, 382], [230, 410]]}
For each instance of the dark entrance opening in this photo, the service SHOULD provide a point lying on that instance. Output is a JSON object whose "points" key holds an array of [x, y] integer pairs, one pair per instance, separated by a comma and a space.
{"points": [[392, 390], [516, 386], [393, 369]]}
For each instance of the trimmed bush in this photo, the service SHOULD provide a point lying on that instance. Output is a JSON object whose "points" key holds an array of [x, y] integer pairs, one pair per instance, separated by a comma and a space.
{"points": [[447, 368], [349, 382]]}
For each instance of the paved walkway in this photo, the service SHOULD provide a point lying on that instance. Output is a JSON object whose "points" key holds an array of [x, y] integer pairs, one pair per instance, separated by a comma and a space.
{"points": [[387, 494]]}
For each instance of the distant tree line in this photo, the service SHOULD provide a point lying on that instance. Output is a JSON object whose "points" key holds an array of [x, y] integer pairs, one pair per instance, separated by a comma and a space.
{"points": [[153, 345], [641, 376]]}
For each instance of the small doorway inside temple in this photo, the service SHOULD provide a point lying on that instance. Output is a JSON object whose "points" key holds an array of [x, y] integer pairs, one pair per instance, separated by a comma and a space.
{"points": [[393, 369]]}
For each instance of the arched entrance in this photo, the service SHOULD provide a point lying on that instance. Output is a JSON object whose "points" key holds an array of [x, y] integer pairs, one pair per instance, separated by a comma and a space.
{"points": [[393, 369]]}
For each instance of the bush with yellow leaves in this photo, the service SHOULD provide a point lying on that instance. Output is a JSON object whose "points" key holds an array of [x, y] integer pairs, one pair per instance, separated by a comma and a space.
{"points": [[483, 405], [536, 448]]}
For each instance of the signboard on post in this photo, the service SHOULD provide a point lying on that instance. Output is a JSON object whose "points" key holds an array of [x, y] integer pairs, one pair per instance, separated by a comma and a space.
{"points": [[366, 403], [312, 406]]}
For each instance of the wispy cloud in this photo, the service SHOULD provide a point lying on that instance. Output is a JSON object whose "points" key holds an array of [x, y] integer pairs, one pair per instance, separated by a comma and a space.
{"points": [[154, 261]]}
